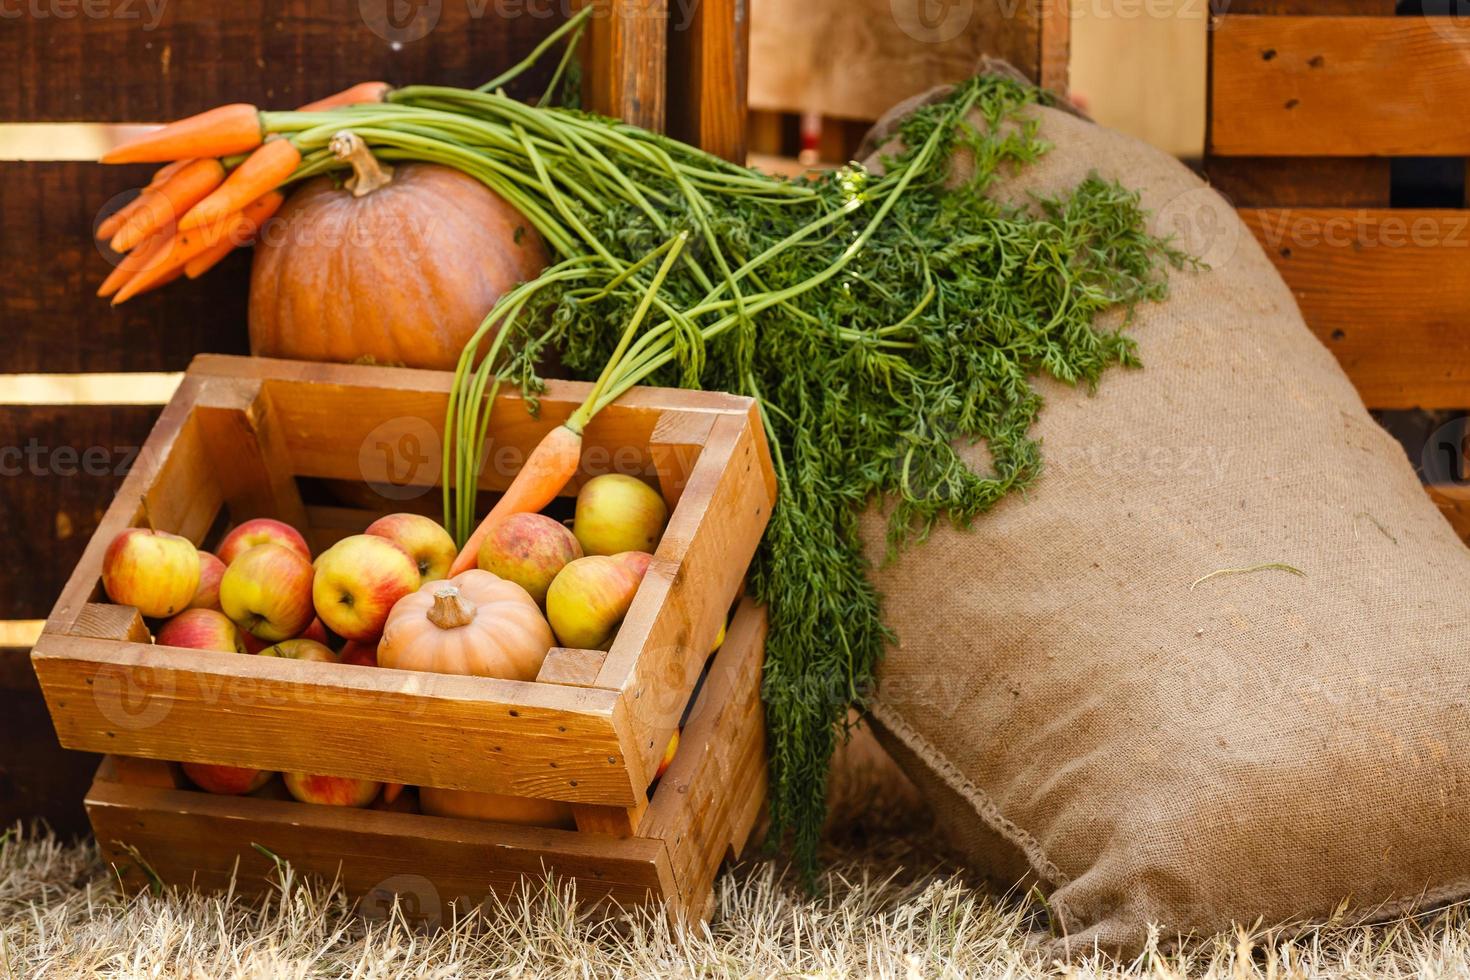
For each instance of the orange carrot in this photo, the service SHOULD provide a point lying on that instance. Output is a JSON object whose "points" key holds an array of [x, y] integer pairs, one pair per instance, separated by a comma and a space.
{"points": [[356, 95], [169, 262], [109, 225], [242, 234], [263, 171], [216, 133], [163, 280], [132, 262], [550, 465], [167, 203]]}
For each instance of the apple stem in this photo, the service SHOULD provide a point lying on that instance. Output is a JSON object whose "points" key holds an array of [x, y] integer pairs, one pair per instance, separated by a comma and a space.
{"points": [[147, 515], [450, 611]]}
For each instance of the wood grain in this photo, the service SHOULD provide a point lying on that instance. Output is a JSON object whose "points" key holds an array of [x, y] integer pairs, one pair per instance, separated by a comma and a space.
{"points": [[1454, 504], [39, 780], [1385, 290], [194, 839], [625, 61], [478, 733], [695, 575], [1337, 86], [130, 66], [59, 468], [855, 58], [1340, 182], [242, 436], [709, 47], [53, 320]]}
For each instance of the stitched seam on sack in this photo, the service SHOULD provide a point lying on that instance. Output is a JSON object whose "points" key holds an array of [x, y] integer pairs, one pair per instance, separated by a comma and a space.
{"points": [[978, 799]]}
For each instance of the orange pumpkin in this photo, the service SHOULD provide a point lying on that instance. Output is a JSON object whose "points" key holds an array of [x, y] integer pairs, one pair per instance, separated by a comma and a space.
{"points": [[399, 266], [492, 806], [475, 623]]}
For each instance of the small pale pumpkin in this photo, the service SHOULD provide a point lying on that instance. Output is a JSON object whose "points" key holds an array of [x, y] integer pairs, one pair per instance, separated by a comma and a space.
{"points": [[475, 623], [399, 266]]}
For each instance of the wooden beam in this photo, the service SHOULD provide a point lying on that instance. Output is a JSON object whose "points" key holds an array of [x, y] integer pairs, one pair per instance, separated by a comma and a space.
{"points": [[709, 49], [1338, 86]]}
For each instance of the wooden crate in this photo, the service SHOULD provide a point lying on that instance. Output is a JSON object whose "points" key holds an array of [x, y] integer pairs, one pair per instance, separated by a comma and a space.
{"points": [[126, 63], [152, 827], [1309, 104], [239, 440]]}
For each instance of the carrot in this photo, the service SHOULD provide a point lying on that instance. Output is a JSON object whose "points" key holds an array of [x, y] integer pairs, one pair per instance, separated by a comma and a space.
{"points": [[550, 465], [132, 262], [356, 95], [170, 262], [218, 132], [243, 234], [263, 171], [109, 225], [169, 201]]}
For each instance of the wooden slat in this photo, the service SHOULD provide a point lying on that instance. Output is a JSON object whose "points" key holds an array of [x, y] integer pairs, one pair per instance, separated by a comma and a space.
{"points": [[243, 439], [295, 716], [709, 45], [1321, 8], [59, 468], [192, 839], [54, 322], [131, 66], [1338, 86], [1386, 291], [1454, 504], [706, 548], [1324, 182], [625, 61], [856, 58]]}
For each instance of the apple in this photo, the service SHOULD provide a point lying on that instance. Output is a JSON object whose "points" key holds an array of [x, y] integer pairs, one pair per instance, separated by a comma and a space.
{"points": [[300, 649], [251, 644], [618, 513], [331, 790], [261, 530], [267, 592], [155, 571], [358, 580], [428, 544], [201, 629], [316, 631], [590, 597], [362, 654], [211, 570], [668, 759], [226, 780], [529, 550]]}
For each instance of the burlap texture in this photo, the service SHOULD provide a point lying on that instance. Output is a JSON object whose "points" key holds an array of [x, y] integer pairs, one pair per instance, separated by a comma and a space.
{"points": [[1259, 745]]}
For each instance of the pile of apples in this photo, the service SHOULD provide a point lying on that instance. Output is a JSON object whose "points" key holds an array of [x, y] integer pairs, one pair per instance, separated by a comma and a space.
{"points": [[262, 593]]}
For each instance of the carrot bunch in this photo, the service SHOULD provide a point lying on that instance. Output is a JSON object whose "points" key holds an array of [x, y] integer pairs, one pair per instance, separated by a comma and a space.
{"points": [[217, 189]]}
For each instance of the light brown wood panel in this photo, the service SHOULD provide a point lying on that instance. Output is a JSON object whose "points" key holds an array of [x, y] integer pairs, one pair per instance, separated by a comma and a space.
{"points": [[624, 61], [672, 624], [1454, 504], [1386, 290], [855, 58], [191, 838], [1338, 86], [478, 733]]}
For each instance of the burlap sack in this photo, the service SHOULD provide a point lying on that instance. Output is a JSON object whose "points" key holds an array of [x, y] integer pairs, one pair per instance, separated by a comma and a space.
{"points": [[1084, 710]]}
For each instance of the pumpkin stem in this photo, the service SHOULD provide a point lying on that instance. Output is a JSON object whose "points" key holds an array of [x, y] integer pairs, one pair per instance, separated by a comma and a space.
{"points": [[450, 611], [367, 173]]}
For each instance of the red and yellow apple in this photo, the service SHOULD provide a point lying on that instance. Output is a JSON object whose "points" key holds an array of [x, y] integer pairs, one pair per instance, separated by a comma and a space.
{"points": [[529, 550], [226, 780], [316, 631], [155, 571], [301, 649], [261, 530], [201, 629], [590, 597], [618, 513], [668, 759], [358, 580], [360, 653], [267, 592], [331, 790], [428, 544], [211, 570]]}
